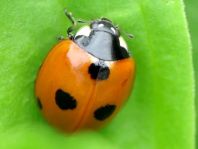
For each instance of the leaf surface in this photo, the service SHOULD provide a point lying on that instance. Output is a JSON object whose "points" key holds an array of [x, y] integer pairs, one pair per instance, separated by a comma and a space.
{"points": [[160, 111]]}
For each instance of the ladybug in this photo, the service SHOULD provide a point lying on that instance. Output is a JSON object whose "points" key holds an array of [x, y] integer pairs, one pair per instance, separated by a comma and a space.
{"points": [[86, 78]]}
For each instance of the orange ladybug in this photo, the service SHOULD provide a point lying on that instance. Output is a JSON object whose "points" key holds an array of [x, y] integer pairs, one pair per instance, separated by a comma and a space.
{"points": [[86, 78]]}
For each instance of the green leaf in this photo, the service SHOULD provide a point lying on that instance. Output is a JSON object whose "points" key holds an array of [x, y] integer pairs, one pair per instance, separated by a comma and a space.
{"points": [[160, 112], [193, 21]]}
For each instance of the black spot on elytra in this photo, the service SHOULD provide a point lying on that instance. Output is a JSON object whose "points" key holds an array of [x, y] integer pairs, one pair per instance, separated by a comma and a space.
{"points": [[64, 100], [99, 71], [39, 103], [104, 112]]}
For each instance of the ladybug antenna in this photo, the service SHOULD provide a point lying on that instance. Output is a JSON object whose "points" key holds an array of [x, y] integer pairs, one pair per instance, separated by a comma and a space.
{"points": [[82, 21], [106, 19]]}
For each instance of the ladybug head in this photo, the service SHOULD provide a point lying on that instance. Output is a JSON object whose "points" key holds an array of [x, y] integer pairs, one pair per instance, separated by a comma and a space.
{"points": [[105, 25]]}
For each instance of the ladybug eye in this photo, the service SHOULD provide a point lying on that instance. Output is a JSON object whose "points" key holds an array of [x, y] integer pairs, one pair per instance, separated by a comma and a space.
{"points": [[123, 43], [101, 25], [85, 31]]}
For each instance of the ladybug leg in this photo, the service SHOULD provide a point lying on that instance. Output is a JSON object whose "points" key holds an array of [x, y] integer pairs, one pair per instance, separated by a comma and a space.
{"points": [[74, 23], [69, 32], [60, 37], [70, 17], [130, 36]]}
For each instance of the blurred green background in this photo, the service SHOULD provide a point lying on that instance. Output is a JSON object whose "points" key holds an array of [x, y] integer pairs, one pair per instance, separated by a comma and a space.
{"points": [[192, 16], [160, 114]]}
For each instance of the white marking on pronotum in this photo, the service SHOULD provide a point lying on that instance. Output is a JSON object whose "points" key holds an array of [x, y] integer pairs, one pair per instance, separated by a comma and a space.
{"points": [[84, 31], [123, 43], [113, 30]]}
